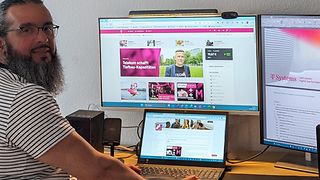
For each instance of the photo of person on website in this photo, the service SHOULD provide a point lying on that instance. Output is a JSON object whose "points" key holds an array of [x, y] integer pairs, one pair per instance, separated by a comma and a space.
{"points": [[161, 91], [179, 69], [176, 124], [186, 124], [133, 90], [190, 91]]}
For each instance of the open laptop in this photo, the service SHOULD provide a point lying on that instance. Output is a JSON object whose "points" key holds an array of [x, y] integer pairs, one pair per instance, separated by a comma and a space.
{"points": [[178, 143]]}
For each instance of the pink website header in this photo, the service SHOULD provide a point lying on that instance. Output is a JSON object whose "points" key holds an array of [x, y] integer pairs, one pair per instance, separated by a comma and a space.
{"points": [[193, 30]]}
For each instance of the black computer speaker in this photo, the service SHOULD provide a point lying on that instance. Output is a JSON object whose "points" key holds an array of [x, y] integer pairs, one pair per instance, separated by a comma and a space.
{"points": [[89, 125], [112, 131]]}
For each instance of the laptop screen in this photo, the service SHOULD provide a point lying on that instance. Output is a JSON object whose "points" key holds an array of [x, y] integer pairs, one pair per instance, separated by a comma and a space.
{"points": [[186, 136]]}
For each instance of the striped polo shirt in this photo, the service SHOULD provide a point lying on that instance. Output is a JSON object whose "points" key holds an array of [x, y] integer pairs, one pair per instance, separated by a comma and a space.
{"points": [[30, 124]]}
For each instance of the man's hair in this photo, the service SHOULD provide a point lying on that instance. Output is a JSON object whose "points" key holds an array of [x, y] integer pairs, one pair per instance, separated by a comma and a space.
{"points": [[4, 6], [180, 50]]}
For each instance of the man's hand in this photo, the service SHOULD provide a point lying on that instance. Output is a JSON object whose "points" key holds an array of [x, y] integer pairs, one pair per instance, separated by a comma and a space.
{"points": [[138, 170], [192, 177]]}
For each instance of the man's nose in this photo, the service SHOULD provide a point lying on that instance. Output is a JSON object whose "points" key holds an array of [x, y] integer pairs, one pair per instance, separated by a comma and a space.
{"points": [[42, 36]]}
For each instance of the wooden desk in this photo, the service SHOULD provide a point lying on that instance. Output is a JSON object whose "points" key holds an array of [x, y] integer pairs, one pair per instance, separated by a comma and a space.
{"points": [[265, 168], [264, 165], [251, 168]]}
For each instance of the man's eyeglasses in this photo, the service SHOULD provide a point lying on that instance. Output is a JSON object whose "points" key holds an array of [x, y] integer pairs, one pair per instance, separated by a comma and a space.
{"points": [[32, 31]]}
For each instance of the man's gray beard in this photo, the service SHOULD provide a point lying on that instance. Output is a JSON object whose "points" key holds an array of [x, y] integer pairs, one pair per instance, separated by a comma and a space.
{"points": [[46, 74]]}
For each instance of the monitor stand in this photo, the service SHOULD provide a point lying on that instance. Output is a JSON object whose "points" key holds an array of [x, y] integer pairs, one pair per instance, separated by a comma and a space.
{"points": [[305, 162]]}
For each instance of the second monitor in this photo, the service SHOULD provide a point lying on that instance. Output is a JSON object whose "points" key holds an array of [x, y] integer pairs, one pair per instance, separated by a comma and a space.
{"points": [[290, 85]]}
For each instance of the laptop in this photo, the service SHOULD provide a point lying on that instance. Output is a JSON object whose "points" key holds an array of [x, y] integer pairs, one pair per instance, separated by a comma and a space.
{"points": [[178, 143]]}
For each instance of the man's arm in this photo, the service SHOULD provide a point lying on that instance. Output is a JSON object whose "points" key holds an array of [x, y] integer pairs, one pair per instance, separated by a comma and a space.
{"points": [[76, 156]]}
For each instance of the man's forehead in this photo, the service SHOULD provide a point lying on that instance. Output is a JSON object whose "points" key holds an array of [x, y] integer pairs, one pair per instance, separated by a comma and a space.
{"points": [[29, 13]]}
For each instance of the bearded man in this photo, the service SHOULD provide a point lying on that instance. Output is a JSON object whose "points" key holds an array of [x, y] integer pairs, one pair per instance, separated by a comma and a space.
{"points": [[36, 141]]}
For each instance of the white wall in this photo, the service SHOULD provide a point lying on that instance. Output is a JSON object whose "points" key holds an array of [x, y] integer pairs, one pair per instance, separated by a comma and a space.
{"points": [[79, 48]]}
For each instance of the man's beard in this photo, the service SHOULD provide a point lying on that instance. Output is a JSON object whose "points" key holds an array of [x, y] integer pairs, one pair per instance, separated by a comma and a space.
{"points": [[46, 74]]}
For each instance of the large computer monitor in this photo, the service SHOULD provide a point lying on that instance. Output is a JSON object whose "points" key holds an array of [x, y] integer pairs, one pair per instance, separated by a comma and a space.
{"points": [[290, 52], [204, 63]]}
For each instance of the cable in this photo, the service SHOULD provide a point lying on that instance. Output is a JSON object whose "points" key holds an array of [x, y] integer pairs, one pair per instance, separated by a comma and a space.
{"points": [[96, 107], [138, 128], [129, 127], [137, 147], [124, 148], [132, 146], [250, 158], [125, 157], [121, 148]]}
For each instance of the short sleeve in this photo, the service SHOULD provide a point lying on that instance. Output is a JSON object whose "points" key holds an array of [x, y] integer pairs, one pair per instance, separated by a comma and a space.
{"points": [[35, 122]]}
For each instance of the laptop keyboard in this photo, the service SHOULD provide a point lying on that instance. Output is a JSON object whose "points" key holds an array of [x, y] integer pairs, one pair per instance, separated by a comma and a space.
{"points": [[176, 172]]}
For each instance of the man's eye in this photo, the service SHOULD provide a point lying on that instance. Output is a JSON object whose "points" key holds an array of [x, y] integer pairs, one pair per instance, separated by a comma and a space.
{"points": [[27, 29], [47, 28]]}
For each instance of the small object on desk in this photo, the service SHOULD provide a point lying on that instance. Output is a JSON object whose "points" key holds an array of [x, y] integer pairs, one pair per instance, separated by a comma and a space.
{"points": [[228, 168]]}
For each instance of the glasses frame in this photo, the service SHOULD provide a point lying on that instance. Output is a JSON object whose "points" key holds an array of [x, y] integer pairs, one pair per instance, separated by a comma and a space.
{"points": [[50, 33]]}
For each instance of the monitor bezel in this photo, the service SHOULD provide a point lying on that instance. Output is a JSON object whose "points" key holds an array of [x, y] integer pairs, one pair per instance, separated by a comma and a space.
{"points": [[254, 112], [181, 162]]}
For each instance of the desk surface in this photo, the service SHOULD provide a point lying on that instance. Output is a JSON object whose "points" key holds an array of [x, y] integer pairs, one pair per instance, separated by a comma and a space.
{"points": [[247, 170]]}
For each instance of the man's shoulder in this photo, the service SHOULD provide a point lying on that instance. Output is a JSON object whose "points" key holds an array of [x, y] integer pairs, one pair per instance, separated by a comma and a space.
{"points": [[24, 91], [32, 96], [34, 90], [10, 82], [186, 67], [170, 67], [34, 87], [15, 81]]}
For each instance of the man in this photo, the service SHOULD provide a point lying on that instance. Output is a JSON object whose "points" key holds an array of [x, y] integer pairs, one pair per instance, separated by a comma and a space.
{"points": [[179, 69], [36, 141], [34, 137], [168, 124], [176, 124]]}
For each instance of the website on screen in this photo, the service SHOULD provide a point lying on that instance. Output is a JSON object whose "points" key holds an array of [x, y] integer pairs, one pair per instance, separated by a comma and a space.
{"points": [[199, 63]]}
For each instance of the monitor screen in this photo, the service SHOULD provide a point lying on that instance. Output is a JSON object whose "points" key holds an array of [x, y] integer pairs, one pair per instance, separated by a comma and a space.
{"points": [[290, 50], [205, 63]]}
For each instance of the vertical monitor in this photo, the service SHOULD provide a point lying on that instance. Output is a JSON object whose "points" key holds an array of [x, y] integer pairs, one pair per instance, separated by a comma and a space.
{"points": [[204, 63], [290, 49]]}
